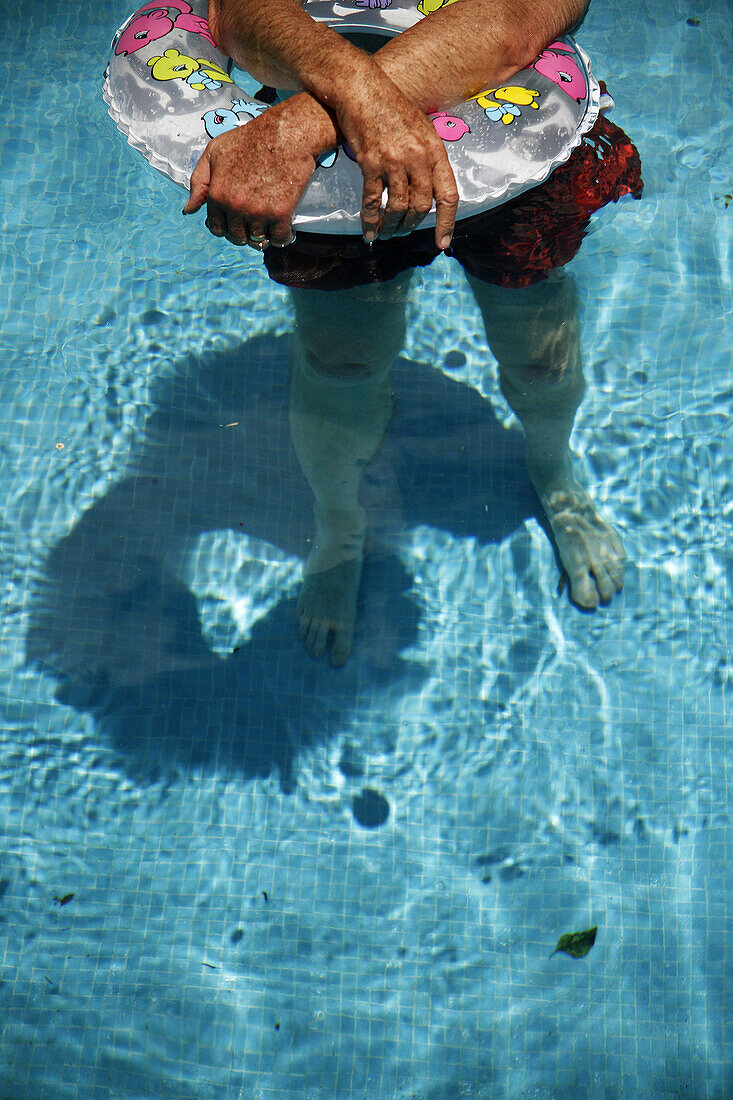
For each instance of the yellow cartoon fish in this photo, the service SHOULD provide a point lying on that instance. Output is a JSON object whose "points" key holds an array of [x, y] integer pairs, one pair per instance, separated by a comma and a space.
{"points": [[427, 7], [512, 96], [197, 72]]}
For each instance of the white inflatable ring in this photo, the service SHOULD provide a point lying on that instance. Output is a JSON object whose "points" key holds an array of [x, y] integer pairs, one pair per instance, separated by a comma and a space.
{"points": [[170, 90]]}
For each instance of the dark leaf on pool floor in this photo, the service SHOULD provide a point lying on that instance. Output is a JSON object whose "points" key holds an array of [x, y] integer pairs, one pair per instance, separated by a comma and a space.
{"points": [[576, 944]]}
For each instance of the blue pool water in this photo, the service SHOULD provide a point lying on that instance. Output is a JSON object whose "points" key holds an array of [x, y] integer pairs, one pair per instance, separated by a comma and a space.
{"points": [[196, 898]]}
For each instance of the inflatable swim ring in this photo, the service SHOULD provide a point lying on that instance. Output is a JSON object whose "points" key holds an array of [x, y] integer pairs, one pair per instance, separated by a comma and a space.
{"points": [[170, 90]]}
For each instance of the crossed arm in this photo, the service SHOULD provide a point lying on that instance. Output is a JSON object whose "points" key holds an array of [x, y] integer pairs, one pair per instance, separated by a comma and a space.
{"points": [[252, 178]]}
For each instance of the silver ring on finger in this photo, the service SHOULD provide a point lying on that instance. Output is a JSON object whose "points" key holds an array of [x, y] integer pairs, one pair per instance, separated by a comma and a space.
{"points": [[283, 244]]}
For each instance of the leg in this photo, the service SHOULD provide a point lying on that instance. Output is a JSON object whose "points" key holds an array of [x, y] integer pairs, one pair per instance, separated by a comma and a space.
{"points": [[534, 335], [340, 405]]}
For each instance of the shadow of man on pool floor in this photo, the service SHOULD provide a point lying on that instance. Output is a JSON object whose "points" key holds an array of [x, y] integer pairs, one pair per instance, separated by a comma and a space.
{"points": [[115, 618]]}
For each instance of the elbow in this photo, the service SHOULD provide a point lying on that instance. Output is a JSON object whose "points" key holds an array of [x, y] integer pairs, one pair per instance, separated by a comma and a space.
{"points": [[226, 22], [528, 28], [215, 20], [577, 16], [223, 26]]}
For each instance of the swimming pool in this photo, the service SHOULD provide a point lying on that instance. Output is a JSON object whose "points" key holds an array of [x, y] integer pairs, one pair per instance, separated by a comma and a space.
{"points": [[196, 897]]}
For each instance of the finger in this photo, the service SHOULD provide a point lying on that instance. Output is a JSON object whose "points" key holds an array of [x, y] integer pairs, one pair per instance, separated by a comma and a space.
{"points": [[236, 230], [258, 235], [420, 204], [617, 547], [446, 201], [304, 622], [583, 591], [616, 573], [398, 194], [371, 204], [284, 244], [281, 234], [216, 221], [199, 185]]}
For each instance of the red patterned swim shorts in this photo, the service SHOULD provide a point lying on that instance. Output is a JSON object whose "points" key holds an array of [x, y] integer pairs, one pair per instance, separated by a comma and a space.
{"points": [[514, 245]]}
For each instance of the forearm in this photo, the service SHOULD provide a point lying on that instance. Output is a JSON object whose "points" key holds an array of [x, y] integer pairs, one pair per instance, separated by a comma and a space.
{"points": [[447, 57], [253, 178], [468, 46], [282, 46]]}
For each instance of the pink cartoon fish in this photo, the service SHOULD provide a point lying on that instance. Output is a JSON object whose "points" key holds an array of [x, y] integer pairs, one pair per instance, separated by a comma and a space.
{"points": [[558, 64], [155, 19], [449, 127]]}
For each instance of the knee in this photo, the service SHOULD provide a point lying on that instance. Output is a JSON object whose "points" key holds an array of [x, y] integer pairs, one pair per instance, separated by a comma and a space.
{"points": [[323, 364], [544, 380], [351, 334]]}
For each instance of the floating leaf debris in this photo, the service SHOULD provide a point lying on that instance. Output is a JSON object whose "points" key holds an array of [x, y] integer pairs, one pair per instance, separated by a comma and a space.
{"points": [[576, 944]]}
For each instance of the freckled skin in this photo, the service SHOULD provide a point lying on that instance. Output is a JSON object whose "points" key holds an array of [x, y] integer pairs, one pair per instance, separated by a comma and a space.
{"points": [[249, 176], [377, 104], [255, 176]]}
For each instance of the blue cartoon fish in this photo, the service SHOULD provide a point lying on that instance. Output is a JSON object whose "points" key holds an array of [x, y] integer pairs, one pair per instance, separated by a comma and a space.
{"points": [[222, 119]]}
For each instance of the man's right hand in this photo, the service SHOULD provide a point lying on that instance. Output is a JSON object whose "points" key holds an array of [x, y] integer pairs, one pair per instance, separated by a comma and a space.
{"points": [[252, 178]]}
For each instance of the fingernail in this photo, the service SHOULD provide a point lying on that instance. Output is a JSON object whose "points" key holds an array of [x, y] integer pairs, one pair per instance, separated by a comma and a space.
{"points": [[445, 241], [370, 236]]}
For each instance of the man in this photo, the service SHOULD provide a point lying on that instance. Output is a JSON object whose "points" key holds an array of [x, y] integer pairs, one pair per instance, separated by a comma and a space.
{"points": [[349, 294], [252, 178]]}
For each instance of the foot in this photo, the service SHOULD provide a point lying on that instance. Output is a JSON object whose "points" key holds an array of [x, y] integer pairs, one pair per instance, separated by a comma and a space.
{"points": [[590, 550], [327, 602]]}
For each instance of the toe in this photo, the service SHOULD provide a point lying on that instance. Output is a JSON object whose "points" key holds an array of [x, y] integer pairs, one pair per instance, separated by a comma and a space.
{"points": [[304, 622], [606, 587], [317, 638], [341, 648], [583, 591], [616, 573], [617, 547]]}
